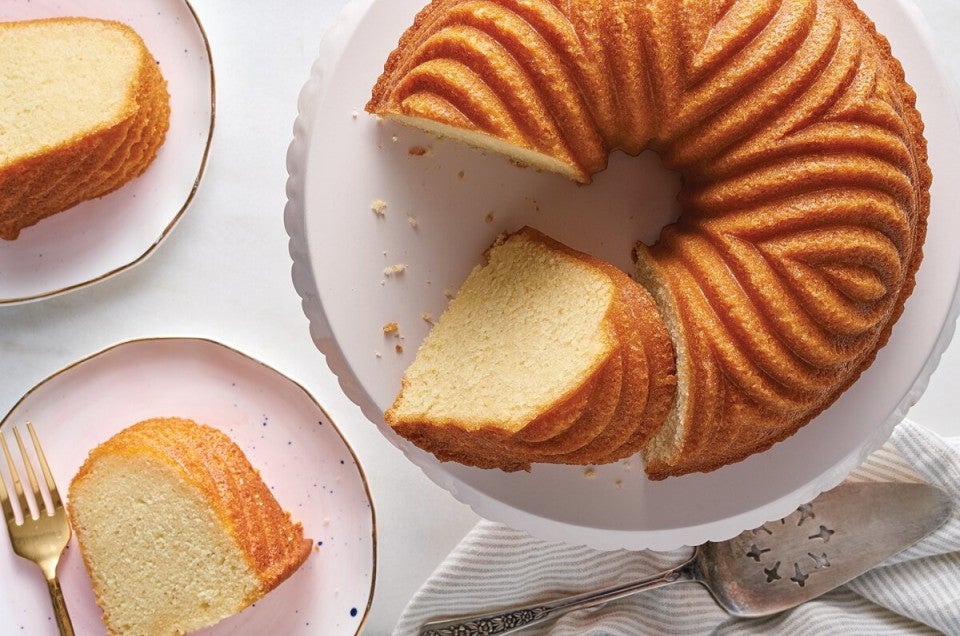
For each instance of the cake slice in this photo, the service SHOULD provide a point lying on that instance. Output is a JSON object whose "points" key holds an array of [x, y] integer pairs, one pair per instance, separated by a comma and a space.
{"points": [[649, 378], [528, 334], [514, 344], [593, 422], [664, 451], [177, 530], [83, 110]]}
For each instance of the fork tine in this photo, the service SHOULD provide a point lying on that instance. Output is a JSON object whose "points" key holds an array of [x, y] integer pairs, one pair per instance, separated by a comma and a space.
{"points": [[31, 477], [4, 495], [21, 491], [15, 478], [47, 475]]}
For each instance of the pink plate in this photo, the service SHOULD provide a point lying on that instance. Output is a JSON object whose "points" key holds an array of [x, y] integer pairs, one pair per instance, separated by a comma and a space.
{"points": [[285, 434], [105, 236]]}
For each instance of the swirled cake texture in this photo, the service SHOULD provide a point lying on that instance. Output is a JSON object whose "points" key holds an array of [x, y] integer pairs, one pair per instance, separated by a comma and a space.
{"points": [[805, 184]]}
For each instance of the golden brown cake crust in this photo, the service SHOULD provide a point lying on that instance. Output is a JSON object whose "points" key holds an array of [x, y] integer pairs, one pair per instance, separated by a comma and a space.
{"points": [[805, 179], [659, 381], [649, 381], [594, 421], [209, 460]]}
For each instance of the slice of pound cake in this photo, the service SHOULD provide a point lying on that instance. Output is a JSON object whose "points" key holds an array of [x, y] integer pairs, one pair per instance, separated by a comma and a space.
{"points": [[536, 361], [83, 110], [177, 529]]}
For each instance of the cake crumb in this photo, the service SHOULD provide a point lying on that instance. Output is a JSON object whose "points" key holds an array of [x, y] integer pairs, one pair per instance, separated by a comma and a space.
{"points": [[488, 218], [379, 207], [590, 473], [460, 174], [355, 114], [394, 139], [396, 268], [427, 318], [412, 220], [399, 348], [619, 483], [377, 354], [418, 151], [448, 293], [391, 329]]}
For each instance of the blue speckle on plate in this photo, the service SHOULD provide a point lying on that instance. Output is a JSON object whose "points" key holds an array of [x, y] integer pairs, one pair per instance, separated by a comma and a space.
{"points": [[353, 611]]}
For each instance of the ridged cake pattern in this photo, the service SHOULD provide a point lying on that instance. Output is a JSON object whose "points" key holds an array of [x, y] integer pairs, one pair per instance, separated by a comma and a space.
{"points": [[805, 183]]}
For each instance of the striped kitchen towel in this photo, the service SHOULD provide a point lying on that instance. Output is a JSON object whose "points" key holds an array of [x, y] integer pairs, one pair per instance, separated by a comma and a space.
{"points": [[914, 592]]}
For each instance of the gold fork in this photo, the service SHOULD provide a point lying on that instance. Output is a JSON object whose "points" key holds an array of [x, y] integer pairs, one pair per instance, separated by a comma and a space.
{"points": [[43, 537]]}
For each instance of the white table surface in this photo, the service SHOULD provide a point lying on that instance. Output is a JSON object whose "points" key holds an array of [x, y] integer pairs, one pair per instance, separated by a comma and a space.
{"points": [[224, 274]]}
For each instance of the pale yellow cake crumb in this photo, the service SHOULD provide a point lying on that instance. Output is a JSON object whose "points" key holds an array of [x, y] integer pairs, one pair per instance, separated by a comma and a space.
{"points": [[391, 329], [489, 217], [590, 473], [427, 318], [379, 207], [396, 268]]}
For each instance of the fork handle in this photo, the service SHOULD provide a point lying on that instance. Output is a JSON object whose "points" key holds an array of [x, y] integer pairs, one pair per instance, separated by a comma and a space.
{"points": [[510, 620], [60, 607]]}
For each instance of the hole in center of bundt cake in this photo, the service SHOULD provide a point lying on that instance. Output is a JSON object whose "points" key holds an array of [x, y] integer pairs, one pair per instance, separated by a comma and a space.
{"points": [[650, 198]]}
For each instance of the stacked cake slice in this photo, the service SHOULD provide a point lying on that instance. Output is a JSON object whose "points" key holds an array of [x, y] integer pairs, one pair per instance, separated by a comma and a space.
{"points": [[539, 359]]}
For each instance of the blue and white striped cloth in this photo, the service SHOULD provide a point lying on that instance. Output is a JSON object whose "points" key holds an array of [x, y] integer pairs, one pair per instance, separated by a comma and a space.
{"points": [[915, 592]]}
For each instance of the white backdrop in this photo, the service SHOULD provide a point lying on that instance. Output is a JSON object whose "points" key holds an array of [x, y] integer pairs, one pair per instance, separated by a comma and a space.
{"points": [[224, 274]]}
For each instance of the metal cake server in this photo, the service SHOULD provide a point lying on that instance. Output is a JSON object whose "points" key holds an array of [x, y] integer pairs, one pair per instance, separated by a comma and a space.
{"points": [[822, 545]]}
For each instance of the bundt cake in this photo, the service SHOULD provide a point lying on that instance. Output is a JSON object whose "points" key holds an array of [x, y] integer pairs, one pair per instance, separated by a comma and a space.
{"points": [[177, 530], [804, 179], [84, 109]]}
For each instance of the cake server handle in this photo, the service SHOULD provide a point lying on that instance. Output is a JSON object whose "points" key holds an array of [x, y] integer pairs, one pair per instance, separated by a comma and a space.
{"points": [[510, 620]]}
